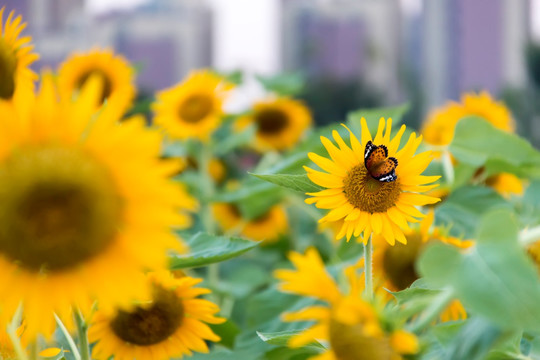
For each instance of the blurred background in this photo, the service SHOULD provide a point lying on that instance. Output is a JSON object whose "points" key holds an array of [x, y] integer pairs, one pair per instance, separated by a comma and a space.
{"points": [[344, 54]]}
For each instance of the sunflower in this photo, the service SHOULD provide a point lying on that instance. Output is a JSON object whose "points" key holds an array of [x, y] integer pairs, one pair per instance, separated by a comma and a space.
{"points": [[279, 123], [115, 72], [441, 123], [268, 227], [193, 108], [15, 59], [505, 184], [85, 204], [352, 327], [354, 194], [169, 325], [394, 266]]}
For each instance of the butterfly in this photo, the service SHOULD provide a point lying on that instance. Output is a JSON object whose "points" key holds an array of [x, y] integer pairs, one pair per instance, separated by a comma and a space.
{"points": [[378, 164]]}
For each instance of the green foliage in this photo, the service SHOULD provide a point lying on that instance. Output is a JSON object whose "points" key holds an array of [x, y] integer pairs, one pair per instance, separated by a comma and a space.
{"points": [[207, 249], [299, 183], [283, 84]]}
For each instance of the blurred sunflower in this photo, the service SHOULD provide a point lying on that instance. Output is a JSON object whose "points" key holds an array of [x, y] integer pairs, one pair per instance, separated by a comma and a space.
{"points": [[353, 327], [367, 202], [193, 108], [440, 125], [394, 266], [15, 59], [85, 204], [115, 72], [268, 227], [170, 325], [506, 184], [279, 123]]}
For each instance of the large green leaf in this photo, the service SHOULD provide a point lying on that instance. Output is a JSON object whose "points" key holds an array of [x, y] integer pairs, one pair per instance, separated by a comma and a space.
{"points": [[494, 279], [464, 207], [300, 183], [281, 338], [283, 84], [477, 142], [208, 249]]}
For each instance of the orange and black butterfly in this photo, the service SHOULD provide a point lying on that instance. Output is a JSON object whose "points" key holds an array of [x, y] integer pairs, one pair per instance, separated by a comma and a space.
{"points": [[378, 164]]}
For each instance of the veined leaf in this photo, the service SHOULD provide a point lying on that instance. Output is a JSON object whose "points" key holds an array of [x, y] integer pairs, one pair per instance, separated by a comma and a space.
{"points": [[208, 249], [300, 183]]}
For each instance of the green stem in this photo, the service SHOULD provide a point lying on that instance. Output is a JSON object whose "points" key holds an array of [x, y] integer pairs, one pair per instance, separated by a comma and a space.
{"points": [[12, 333], [82, 330], [432, 312], [368, 268], [69, 339], [448, 167]]}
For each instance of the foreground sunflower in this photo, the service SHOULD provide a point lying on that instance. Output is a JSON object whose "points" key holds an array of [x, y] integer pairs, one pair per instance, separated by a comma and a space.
{"points": [[440, 125], [85, 204], [394, 266], [170, 325], [117, 75], [17, 79], [268, 227], [279, 123], [193, 108], [372, 186], [353, 327]]}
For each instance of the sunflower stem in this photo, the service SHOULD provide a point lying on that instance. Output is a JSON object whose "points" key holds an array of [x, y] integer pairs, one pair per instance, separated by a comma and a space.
{"points": [[448, 167], [368, 268], [72, 345], [82, 330], [432, 312], [12, 333]]}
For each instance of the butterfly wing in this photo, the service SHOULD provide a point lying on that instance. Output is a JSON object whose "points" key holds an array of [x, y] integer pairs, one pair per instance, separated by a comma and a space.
{"points": [[374, 155], [385, 171]]}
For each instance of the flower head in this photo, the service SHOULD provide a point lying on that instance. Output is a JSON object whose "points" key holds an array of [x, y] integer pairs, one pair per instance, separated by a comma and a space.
{"points": [[15, 59], [353, 327], [193, 108], [279, 123], [116, 74], [85, 204], [171, 324], [373, 186]]}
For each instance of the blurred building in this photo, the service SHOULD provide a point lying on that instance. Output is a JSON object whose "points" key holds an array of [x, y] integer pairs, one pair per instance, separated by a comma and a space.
{"points": [[165, 39], [344, 39], [473, 45]]}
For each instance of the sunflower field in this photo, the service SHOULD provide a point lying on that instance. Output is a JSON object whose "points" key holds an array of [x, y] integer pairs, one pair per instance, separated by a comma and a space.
{"points": [[174, 229]]}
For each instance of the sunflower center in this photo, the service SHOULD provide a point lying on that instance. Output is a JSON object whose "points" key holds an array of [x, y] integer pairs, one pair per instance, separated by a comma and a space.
{"points": [[195, 108], [349, 342], [271, 121], [398, 261], [369, 194], [150, 325], [58, 207], [8, 67], [105, 79]]}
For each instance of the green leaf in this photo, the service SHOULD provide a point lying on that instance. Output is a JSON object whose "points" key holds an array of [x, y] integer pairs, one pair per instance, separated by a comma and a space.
{"points": [[234, 141], [284, 353], [283, 84], [473, 341], [208, 249], [463, 208], [476, 142], [227, 332], [494, 279], [282, 338], [300, 183]]}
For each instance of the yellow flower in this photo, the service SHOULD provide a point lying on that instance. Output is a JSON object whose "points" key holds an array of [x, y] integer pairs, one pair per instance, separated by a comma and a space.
{"points": [[17, 79], [279, 123], [533, 250], [394, 266], [115, 72], [441, 123], [85, 204], [350, 325], [170, 325], [354, 195], [6, 346], [193, 108], [506, 184], [268, 227]]}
